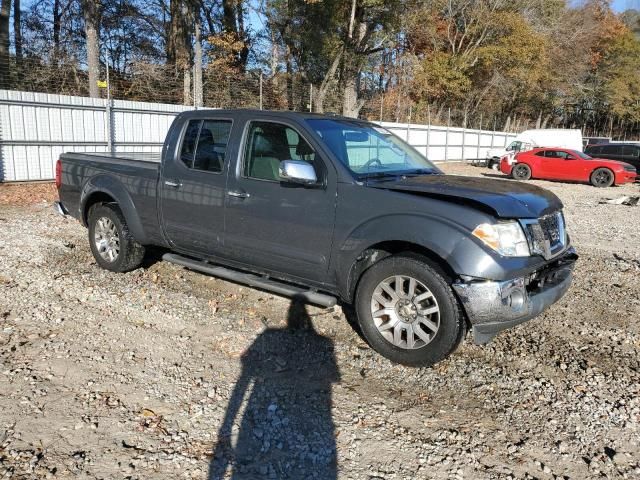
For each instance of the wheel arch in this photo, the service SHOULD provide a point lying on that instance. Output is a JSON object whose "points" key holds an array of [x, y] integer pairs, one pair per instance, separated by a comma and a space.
{"points": [[106, 189], [384, 249]]}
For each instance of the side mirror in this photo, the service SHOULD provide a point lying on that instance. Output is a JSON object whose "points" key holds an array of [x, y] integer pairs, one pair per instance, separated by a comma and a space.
{"points": [[297, 171]]}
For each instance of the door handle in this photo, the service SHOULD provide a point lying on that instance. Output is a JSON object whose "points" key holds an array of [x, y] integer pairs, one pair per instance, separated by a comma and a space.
{"points": [[170, 183], [234, 193]]}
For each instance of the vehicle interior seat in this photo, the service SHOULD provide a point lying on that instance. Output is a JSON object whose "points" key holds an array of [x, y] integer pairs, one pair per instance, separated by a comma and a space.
{"points": [[207, 158], [263, 159]]}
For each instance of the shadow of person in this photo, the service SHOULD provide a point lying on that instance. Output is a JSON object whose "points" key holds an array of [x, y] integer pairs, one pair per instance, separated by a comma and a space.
{"points": [[286, 430]]}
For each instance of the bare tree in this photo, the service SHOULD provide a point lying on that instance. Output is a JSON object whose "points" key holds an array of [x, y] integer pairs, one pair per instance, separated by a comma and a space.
{"points": [[197, 62], [91, 11], [17, 28], [5, 11]]}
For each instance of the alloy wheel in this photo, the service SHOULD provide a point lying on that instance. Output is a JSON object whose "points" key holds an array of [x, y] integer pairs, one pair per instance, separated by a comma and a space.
{"points": [[107, 239], [405, 312]]}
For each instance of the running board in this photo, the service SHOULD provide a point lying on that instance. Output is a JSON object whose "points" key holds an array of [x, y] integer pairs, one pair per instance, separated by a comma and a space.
{"points": [[252, 280]]}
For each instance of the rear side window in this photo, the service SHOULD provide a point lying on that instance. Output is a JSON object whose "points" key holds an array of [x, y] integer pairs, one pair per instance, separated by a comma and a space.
{"points": [[189, 142], [205, 145], [631, 151], [611, 150], [540, 153]]}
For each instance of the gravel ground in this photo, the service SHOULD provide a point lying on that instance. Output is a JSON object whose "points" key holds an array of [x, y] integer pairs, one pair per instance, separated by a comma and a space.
{"points": [[165, 373]]}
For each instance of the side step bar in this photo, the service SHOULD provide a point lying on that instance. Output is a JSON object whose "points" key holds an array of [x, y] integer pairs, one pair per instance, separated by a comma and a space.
{"points": [[252, 280]]}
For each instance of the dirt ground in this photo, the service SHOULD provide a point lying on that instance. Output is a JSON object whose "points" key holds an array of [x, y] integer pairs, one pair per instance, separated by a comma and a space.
{"points": [[166, 373]]}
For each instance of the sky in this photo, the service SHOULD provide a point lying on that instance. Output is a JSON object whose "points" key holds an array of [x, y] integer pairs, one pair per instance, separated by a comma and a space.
{"points": [[622, 5]]}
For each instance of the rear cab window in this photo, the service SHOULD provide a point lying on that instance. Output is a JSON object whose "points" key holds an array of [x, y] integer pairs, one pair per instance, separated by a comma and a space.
{"points": [[204, 145]]}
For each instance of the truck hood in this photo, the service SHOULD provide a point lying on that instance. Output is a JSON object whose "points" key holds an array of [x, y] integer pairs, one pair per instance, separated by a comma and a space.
{"points": [[505, 198]]}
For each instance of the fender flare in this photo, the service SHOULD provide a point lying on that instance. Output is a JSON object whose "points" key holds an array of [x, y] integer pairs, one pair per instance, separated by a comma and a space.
{"points": [[106, 184], [441, 238]]}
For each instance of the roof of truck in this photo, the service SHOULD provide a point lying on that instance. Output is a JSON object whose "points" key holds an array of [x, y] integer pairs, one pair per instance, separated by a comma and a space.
{"points": [[276, 113]]}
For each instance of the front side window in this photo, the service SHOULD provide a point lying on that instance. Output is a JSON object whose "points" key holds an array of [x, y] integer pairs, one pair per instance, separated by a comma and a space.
{"points": [[268, 144], [367, 149], [205, 144]]}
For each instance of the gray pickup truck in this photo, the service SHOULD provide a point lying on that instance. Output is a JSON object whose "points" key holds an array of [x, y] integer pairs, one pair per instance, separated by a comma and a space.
{"points": [[325, 208]]}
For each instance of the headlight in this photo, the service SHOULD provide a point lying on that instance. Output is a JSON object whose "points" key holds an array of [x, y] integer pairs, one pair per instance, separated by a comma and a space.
{"points": [[506, 238]]}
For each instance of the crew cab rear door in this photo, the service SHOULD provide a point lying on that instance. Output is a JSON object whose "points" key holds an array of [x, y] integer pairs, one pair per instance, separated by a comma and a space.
{"points": [[192, 186], [275, 225]]}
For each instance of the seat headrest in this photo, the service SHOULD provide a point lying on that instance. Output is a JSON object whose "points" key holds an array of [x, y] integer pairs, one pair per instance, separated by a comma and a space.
{"points": [[205, 136], [303, 148], [261, 144]]}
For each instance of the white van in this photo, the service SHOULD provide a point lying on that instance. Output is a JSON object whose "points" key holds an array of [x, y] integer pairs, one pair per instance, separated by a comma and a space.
{"points": [[545, 137]]}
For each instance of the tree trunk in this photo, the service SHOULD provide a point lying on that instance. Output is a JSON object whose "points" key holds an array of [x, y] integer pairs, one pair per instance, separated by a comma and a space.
{"points": [[290, 104], [91, 10], [5, 11], [56, 30], [197, 64], [350, 104], [186, 97], [321, 91], [229, 16], [17, 28], [179, 45]]}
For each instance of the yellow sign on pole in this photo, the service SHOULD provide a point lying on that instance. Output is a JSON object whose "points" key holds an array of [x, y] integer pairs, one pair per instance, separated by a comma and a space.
{"points": [[101, 84]]}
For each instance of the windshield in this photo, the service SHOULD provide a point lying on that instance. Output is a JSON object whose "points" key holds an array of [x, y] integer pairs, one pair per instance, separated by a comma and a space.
{"points": [[581, 155], [369, 150]]}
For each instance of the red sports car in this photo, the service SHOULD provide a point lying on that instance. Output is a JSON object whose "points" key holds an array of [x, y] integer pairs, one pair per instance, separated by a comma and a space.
{"points": [[565, 164]]}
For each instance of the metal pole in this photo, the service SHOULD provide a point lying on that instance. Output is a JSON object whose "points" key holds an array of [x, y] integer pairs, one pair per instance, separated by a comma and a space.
{"points": [[108, 112], [381, 106], [409, 123], [311, 97], [479, 140], [260, 89], [464, 135], [446, 137], [428, 129]]}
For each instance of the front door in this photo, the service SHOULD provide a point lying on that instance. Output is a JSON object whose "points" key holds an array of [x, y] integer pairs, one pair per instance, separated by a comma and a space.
{"points": [[273, 225], [555, 166], [192, 187]]}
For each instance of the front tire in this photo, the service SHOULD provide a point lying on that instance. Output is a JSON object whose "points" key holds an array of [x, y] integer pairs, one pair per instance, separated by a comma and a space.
{"points": [[407, 312], [602, 178], [521, 171], [112, 244]]}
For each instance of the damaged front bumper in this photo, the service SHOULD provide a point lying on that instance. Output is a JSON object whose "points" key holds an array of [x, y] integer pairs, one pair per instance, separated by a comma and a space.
{"points": [[495, 306]]}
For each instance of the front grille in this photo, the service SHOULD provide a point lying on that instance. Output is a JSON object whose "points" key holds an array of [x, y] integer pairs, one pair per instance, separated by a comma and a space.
{"points": [[552, 230], [547, 236]]}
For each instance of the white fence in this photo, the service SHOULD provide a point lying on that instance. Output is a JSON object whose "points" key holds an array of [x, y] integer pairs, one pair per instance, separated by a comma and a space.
{"points": [[443, 144], [35, 128]]}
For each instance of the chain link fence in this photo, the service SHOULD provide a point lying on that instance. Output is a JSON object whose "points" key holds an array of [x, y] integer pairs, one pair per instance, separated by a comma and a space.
{"points": [[224, 88]]}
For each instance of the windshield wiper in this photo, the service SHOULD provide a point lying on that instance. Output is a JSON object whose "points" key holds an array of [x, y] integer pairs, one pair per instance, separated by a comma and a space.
{"points": [[419, 171]]}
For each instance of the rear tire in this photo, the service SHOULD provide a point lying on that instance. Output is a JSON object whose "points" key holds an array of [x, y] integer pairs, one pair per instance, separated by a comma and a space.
{"points": [[602, 178], [521, 171], [111, 242], [407, 312]]}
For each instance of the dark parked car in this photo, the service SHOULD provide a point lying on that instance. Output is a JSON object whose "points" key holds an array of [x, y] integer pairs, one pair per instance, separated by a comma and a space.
{"points": [[624, 152], [325, 208]]}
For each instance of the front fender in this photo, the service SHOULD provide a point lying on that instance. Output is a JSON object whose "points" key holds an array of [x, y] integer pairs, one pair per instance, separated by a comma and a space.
{"points": [[452, 243], [111, 186]]}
